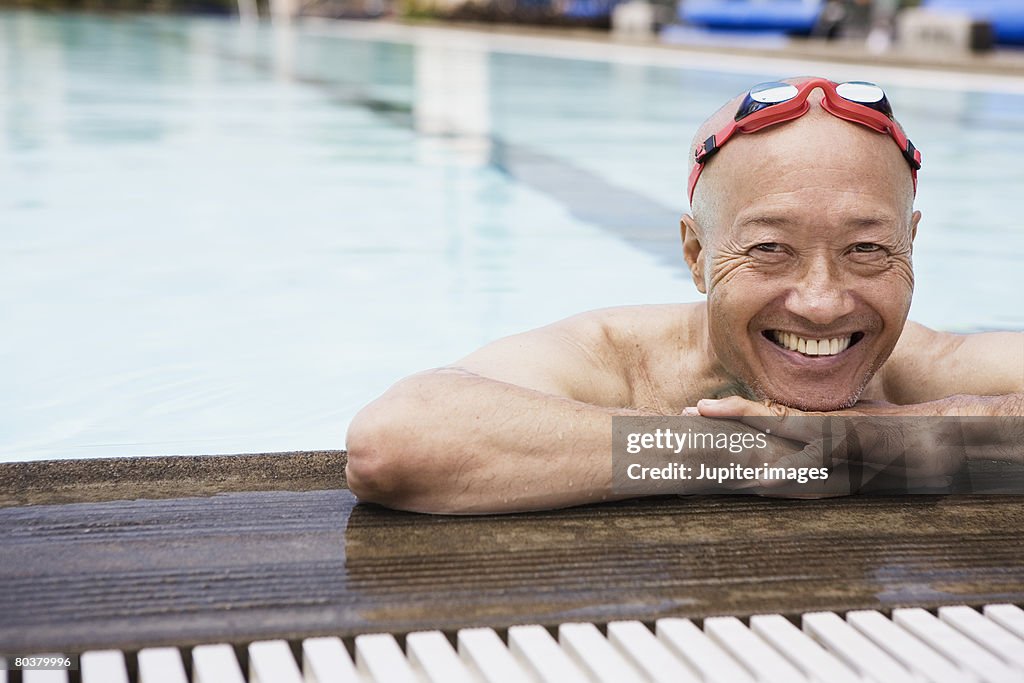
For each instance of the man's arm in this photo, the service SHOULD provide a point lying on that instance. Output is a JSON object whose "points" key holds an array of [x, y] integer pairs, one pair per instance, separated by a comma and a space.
{"points": [[970, 375], [524, 423], [980, 374], [930, 374]]}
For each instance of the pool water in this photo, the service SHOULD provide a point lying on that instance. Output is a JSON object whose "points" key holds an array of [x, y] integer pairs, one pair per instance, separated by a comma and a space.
{"points": [[218, 238]]}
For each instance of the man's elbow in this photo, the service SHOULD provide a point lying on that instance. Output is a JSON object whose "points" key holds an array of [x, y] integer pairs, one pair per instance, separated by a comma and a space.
{"points": [[374, 468], [391, 463], [396, 459]]}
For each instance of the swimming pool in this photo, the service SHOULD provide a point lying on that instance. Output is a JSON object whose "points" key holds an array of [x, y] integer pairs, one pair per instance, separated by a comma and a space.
{"points": [[218, 239]]}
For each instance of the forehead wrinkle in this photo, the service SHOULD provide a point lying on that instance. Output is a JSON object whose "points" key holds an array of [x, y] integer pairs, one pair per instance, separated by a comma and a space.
{"points": [[857, 218], [768, 220], [870, 221], [781, 218]]}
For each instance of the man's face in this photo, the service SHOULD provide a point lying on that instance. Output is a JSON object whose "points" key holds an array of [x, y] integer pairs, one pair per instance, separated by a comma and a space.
{"points": [[808, 267]]}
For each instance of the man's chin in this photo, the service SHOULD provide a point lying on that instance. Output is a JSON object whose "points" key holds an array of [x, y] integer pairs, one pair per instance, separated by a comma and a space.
{"points": [[814, 400], [819, 405]]}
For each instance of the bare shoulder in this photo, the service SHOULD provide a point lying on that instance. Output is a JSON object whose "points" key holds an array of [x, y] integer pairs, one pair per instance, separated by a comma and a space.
{"points": [[626, 335], [928, 364], [589, 357], [638, 324], [637, 333]]}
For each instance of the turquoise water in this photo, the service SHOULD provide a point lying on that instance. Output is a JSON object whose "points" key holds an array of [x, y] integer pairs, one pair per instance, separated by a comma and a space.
{"points": [[220, 239]]}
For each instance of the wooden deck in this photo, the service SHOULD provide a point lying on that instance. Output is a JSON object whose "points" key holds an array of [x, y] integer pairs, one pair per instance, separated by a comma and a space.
{"points": [[188, 550]]}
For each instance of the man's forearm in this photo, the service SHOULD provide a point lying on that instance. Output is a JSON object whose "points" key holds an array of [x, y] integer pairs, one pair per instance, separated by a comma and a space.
{"points": [[449, 441], [984, 406], [992, 426]]}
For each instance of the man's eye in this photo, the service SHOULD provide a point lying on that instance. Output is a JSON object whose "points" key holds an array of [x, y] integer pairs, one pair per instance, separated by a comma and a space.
{"points": [[769, 247], [866, 248]]}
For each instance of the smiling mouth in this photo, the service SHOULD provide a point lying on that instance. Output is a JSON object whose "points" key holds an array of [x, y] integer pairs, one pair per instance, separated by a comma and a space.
{"points": [[812, 347]]}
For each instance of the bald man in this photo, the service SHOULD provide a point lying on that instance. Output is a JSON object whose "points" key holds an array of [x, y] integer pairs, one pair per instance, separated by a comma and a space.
{"points": [[800, 236]]}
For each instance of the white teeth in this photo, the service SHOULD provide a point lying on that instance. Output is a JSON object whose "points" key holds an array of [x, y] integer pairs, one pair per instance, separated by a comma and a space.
{"points": [[812, 347]]}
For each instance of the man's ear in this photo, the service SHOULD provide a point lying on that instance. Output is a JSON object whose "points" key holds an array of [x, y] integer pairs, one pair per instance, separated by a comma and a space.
{"points": [[693, 250], [914, 220]]}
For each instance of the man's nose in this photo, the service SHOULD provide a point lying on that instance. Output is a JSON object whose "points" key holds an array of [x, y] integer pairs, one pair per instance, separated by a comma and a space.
{"points": [[820, 294]]}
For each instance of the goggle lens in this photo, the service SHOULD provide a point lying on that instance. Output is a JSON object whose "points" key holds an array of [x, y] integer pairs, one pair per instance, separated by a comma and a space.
{"points": [[860, 92], [773, 93]]}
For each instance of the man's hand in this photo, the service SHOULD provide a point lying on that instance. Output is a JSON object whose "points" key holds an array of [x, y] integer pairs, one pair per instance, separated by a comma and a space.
{"points": [[920, 444]]}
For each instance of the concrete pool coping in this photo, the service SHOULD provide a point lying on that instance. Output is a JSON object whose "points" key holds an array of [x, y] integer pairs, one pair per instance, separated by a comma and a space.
{"points": [[139, 552], [48, 482]]}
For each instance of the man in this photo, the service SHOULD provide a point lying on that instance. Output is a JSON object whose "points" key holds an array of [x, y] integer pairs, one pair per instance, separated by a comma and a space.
{"points": [[800, 236]]}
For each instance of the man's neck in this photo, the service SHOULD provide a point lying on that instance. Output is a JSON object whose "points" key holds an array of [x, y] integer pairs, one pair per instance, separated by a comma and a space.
{"points": [[717, 381]]}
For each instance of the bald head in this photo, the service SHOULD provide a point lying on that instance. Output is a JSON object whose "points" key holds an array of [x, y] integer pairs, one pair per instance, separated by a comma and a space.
{"points": [[818, 143]]}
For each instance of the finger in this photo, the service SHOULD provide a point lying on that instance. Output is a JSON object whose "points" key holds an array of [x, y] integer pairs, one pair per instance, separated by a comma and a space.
{"points": [[874, 407], [768, 417], [837, 481], [731, 406], [810, 456], [853, 452]]}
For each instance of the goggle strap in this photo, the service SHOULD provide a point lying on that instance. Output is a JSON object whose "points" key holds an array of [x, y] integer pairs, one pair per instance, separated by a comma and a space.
{"points": [[911, 154], [706, 150]]}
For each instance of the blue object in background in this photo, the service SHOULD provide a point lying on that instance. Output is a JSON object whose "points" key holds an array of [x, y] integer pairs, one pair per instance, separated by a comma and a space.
{"points": [[790, 16], [1006, 16], [589, 9]]}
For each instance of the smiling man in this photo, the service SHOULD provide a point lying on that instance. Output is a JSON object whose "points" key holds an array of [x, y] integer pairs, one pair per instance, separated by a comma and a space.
{"points": [[801, 236]]}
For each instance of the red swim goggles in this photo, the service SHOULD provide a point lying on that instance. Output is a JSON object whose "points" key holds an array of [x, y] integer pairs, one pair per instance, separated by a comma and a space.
{"points": [[770, 103]]}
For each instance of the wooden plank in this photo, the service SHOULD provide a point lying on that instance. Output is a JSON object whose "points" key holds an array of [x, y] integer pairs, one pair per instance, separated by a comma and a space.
{"points": [[103, 479], [86, 481], [243, 566]]}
